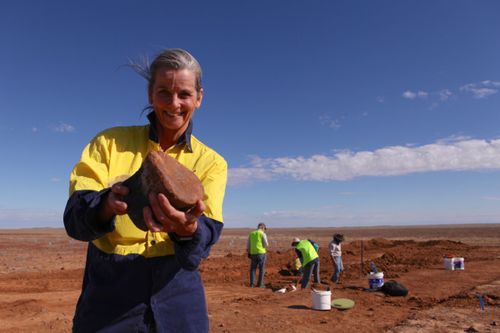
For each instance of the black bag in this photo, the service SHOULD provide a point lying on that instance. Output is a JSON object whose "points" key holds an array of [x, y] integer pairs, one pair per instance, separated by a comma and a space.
{"points": [[393, 288]]}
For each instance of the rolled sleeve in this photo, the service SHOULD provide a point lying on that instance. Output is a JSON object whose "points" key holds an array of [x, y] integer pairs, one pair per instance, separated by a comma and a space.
{"points": [[264, 240], [80, 215]]}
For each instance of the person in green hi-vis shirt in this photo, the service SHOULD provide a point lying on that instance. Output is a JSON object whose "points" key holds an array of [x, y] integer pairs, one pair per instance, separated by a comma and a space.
{"points": [[308, 253], [256, 249]]}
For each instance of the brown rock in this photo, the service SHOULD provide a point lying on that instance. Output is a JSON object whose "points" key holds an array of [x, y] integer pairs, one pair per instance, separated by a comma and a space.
{"points": [[160, 173]]}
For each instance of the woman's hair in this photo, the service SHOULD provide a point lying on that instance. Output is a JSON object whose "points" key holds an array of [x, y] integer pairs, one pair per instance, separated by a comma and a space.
{"points": [[176, 59]]}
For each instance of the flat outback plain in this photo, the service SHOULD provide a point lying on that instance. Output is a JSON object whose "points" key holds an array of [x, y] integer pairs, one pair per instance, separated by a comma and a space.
{"points": [[41, 275]]}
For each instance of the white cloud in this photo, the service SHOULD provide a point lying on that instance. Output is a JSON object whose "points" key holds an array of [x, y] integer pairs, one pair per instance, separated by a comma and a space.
{"points": [[380, 99], [326, 120], [483, 92], [482, 89], [490, 83], [444, 155], [453, 138], [479, 90], [63, 128], [422, 94], [239, 176], [409, 94], [34, 129], [445, 94], [55, 179]]}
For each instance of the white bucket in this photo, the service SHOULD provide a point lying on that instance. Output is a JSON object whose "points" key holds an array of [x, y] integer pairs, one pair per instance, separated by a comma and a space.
{"points": [[448, 264], [452, 264], [321, 299], [458, 263], [375, 280]]}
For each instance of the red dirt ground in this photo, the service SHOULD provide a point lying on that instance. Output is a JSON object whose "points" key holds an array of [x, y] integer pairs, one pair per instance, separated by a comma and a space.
{"points": [[41, 272]]}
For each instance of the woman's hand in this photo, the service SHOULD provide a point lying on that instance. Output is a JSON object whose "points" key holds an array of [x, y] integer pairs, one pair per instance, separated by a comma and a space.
{"points": [[113, 203], [170, 219]]}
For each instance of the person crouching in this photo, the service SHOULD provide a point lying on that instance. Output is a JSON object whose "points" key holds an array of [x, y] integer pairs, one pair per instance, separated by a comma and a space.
{"points": [[309, 258]]}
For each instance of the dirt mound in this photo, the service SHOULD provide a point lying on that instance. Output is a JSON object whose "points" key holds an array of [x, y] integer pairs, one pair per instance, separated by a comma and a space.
{"points": [[368, 244], [441, 243]]}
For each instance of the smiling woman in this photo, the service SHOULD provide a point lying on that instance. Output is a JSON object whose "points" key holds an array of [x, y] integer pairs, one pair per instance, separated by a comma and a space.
{"points": [[147, 280], [174, 91], [174, 99]]}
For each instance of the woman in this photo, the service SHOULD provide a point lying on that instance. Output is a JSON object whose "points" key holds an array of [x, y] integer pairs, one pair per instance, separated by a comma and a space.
{"points": [[137, 281]]}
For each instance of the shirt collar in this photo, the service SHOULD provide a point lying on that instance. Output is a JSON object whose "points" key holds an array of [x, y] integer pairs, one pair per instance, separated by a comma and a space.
{"points": [[184, 139]]}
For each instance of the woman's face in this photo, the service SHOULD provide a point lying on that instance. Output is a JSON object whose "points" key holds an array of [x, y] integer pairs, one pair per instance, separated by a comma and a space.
{"points": [[174, 99]]}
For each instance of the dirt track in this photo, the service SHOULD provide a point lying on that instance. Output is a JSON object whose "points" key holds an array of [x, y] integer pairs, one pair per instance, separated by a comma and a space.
{"points": [[41, 271]]}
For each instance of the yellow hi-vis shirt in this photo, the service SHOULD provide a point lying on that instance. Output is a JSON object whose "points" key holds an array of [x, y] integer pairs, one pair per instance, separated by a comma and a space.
{"points": [[117, 153], [307, 250], [256, 244]]}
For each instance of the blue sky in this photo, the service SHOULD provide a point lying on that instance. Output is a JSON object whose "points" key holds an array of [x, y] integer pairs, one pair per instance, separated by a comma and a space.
{"points": [[329, 113]]}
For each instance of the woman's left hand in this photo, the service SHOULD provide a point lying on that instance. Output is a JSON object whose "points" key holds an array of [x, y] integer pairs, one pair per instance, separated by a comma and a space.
{"points": [[162, 216]]}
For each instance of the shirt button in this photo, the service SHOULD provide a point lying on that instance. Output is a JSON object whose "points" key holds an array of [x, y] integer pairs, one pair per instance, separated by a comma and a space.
{"points": [[153, 242]]}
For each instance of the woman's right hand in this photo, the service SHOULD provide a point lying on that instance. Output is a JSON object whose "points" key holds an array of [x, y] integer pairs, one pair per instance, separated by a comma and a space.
{"points": [[113, 204]]}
